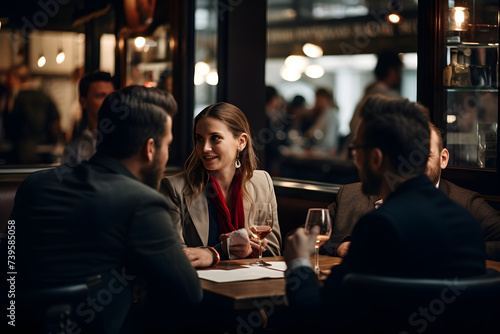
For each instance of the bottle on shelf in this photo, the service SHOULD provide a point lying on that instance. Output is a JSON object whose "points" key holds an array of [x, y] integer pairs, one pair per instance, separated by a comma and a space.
{"points": [[149, 82], [449, 71], [461, 77]]}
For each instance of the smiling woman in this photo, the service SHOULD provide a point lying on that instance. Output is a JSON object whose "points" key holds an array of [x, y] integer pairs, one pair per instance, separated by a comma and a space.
{"points": [[210, 201]]}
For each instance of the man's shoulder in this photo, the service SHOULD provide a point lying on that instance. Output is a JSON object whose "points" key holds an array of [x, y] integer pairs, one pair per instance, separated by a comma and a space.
{"points": [[119, 184], [39, 177], [353, 191], [351, 188], [455, 191], [89, 177], [421, 198]]}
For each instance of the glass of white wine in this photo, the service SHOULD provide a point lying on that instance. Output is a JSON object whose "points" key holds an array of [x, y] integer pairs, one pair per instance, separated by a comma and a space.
{"points": [[321, 218], [261, 224]]}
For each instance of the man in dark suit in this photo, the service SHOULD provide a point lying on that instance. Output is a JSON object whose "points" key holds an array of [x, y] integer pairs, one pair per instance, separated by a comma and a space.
{"points": [[351, 204], [418, 232], [103, 223]]}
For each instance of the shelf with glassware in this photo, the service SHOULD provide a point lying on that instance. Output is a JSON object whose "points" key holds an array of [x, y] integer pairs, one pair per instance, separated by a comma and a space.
{"points": [[466, 110], [470, 84]]}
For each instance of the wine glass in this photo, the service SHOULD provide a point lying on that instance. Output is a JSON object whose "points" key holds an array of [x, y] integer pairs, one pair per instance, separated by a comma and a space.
{"points": [[321, 218], [261, 224]]}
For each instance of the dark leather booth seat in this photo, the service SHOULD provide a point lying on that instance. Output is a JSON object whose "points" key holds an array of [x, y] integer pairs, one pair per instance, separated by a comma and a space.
{"points": [[295, 197]]}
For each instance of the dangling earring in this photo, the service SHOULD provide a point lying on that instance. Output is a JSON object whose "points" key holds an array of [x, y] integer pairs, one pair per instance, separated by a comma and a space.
{"points": [[237, 163]]}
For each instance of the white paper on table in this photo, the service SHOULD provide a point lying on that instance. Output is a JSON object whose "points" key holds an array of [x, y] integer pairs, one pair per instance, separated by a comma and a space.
{"points": [[248, 273]]}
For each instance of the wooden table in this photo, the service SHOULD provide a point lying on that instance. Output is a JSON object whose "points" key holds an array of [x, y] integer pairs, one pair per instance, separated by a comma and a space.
{"points": [[248, 295]]}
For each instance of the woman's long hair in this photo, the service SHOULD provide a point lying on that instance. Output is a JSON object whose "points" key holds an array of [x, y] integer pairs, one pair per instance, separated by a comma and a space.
{"points": [[235, 120]]}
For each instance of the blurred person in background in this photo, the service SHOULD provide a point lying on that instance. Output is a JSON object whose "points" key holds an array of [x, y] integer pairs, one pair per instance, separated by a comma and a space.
{"points": [[93, 89], [33, 123], [323, 133], [388, 73], [274, 133]]}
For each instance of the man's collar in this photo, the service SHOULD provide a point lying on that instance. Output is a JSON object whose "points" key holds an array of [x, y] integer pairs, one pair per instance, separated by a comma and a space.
{"points": [[411, 183], [380, 201], [112, 164]]}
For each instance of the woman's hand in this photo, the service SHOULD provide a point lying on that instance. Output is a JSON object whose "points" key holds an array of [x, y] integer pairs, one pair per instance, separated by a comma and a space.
{"points": [[199, 257], [240, 249], [254, 242]]}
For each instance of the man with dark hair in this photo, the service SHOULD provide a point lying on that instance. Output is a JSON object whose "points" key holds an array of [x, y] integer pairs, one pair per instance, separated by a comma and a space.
{"points": [[103, 223], [351, 204], [388, 73], [418, 232], [93, 89]]}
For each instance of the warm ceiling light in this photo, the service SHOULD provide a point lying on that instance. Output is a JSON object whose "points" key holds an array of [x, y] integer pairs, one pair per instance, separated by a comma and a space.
{"points": [[394, 18], [312, 50], [60, 57], [198, 79], [290, 73], [212, 78], [140, 42], [314, 71], [298, 63], [41, 61], [202, 68]]}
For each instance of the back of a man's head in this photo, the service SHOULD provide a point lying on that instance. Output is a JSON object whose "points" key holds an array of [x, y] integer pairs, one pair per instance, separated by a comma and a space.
{"points": [[87, 80], [387, 60], [400, 129], [130, 116]]}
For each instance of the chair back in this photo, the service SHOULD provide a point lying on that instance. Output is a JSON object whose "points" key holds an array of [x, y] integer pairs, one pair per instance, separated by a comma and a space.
{"points": [[54, 310], [379, 304]]}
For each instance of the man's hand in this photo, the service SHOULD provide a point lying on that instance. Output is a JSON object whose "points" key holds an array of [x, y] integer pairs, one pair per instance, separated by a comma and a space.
{"points": [[343, 249], [301, 244], [241, 249], [199, 257]]}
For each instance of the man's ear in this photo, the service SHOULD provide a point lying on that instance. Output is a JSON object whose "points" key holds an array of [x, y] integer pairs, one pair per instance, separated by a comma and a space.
{"points": [[376, 157], [242, 141], [148, 150], [444, 158], [83, 102]]}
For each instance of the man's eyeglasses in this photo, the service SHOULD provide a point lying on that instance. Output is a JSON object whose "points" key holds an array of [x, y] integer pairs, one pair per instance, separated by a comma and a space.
{"points": [[351, 148]]}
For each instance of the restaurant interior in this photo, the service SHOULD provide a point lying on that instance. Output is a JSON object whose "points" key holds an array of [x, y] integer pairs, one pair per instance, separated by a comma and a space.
{"points": [[207, 51]]}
